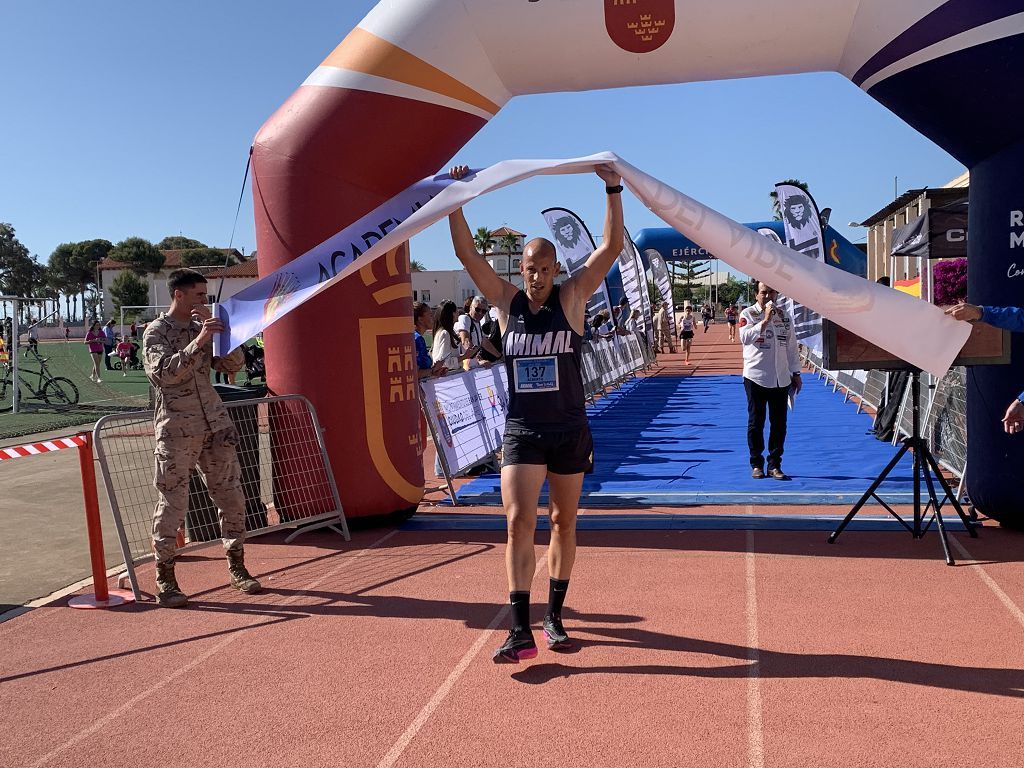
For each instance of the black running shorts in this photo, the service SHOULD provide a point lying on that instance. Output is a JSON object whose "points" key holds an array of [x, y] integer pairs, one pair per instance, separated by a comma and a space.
{"points": [[567, 452], [686, 335]]}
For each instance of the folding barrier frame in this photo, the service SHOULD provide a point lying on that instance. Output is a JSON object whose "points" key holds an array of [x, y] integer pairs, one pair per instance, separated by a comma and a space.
{"points": [[287, 480]]}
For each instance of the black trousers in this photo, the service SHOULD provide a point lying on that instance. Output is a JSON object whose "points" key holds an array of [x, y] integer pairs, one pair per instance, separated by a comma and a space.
{"points": [[759, 401], [106, 356]]}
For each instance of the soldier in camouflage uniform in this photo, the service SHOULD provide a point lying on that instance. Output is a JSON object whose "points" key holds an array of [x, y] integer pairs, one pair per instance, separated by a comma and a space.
{"points": [[192, 428]]}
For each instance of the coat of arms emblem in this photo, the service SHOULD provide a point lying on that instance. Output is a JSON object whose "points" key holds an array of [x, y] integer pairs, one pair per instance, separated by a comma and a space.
{"points": [[639, 26]]}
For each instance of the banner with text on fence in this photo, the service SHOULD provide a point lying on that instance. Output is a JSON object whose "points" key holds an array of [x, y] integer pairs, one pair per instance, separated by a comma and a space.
{"points": [[929, 339], [467, 412]]}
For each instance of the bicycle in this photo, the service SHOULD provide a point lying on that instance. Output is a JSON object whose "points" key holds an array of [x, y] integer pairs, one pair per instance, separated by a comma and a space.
{"points": [[52, 390]]}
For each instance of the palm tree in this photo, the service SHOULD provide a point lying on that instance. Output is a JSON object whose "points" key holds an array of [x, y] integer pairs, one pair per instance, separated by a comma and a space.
{"points": [[509, 242], [417, 266], [774, 195], [483, 240]]}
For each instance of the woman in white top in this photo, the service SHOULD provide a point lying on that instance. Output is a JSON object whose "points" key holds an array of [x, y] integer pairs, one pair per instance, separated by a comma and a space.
{"points": [[445, 349]]}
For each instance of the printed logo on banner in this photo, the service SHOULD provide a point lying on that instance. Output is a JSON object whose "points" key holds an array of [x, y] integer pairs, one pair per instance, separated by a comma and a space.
{"points": [[285, 284], [442, 422], [639, 26]]}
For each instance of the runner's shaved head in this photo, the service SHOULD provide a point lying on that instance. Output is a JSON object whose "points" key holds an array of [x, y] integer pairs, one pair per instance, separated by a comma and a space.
{"points": [[540, 248]]}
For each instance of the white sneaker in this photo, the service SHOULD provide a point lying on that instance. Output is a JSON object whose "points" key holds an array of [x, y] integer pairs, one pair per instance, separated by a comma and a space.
{"points": [[99, 381]]}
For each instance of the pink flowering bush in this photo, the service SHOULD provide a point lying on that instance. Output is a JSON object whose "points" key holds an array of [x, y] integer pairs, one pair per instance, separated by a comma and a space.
{"points": [[950, 281]]}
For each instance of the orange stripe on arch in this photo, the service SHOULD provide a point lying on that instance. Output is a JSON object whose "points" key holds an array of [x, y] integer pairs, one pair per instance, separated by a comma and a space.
{"points": [[363, 51]]}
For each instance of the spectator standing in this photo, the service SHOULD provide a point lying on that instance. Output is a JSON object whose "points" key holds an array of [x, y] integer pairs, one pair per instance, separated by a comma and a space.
{"points": [[33, 339], [192, 427], [771, 371], [109, 341], [133, 329], [422, 319], [95, 339]]}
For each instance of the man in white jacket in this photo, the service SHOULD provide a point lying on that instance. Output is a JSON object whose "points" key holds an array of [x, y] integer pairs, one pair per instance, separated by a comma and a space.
{"points": [[771, 370]]}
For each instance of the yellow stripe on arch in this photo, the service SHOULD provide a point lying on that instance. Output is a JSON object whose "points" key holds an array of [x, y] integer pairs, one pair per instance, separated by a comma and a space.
{"points": [[370, 329], [363, 51], [392, 293]]}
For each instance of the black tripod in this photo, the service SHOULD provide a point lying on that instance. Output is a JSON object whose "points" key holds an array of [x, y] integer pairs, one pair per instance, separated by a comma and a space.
{"points": [[925, 466]]}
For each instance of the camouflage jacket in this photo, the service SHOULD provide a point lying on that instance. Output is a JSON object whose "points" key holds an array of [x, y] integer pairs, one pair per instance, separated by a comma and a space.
{"points": [[179, 370]]}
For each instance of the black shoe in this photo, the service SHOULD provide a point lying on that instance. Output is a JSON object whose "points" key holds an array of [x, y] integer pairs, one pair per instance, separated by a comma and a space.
{"points": [[519, 645], [558, 639], [757, 473], [777, 474]]}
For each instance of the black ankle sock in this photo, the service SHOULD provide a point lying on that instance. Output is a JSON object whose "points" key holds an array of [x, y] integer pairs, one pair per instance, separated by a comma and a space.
{"points": [[556, 595], [520, 609]]}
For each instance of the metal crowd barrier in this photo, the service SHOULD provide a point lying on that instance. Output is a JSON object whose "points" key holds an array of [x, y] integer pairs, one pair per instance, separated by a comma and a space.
{"points": [[944, 407], [287, 480]]}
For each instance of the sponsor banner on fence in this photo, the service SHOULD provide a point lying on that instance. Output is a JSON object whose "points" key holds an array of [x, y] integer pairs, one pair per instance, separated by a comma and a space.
{"points": [[467, 411], [574, 244], [929, 339]]}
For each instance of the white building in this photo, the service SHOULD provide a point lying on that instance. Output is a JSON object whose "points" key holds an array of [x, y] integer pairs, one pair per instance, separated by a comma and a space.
{"points": [[157, 283]]}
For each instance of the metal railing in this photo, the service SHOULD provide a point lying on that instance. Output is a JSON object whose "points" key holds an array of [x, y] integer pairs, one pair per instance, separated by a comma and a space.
{"points": [[286, 479]]}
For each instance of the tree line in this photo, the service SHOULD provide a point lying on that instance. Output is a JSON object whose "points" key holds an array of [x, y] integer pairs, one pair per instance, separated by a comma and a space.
{"points": [[72, 271]]}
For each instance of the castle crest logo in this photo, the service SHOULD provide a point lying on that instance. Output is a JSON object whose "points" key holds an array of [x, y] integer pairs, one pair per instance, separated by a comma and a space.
{"points": [[639, 26]]}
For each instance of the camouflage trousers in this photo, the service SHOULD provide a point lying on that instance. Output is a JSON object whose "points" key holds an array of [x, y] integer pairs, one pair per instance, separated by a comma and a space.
{"points": [[215, 455]]}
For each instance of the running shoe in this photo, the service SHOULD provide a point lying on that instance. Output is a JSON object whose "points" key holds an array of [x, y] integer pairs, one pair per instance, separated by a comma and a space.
{"points": [[519, 645], [558, 638]]}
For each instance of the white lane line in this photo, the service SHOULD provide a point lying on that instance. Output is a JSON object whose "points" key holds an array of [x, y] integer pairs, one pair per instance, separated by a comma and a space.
{"points": [[1004, 598], [755, 723], [442, 692], [128, 705]]}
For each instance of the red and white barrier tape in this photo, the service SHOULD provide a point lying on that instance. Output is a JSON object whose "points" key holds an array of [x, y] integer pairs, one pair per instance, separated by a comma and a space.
{"points": [[31, 449]]}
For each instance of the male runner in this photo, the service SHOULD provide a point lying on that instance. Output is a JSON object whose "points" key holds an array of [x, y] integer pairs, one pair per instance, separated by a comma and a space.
{"points": [[546, 430]]}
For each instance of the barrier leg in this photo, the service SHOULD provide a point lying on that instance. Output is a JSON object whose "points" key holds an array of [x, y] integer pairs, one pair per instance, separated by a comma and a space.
{"points": [[101, 597]]}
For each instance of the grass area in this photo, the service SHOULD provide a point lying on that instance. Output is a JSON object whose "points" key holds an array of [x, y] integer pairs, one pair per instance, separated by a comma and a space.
{"points": [[70, 360]]}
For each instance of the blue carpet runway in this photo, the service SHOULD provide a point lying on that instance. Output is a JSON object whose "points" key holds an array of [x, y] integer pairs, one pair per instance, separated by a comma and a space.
{"points": [[674, 441]]}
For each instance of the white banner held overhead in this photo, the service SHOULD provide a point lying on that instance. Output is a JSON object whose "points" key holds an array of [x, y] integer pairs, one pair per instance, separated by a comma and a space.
{"points": [[802, 223], [929, 339], [574, 244], [467, 411]]}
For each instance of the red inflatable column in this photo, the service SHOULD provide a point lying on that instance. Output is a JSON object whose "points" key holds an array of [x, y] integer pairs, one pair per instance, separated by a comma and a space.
{"points": [[327, 157]]}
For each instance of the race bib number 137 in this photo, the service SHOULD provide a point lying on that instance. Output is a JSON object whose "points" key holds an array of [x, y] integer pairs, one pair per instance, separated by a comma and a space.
{"points": [[536, 374]]}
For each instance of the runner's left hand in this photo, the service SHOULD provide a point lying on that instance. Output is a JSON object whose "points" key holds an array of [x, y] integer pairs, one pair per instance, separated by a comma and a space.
{"points": [[608, 175]]}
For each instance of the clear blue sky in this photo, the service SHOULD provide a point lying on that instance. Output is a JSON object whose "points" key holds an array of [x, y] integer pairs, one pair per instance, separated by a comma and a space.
{"points": [[134, 118]]}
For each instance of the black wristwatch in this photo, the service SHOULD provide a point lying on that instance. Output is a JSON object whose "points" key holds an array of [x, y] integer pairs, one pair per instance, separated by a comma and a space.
{"points": [[613, 190]]}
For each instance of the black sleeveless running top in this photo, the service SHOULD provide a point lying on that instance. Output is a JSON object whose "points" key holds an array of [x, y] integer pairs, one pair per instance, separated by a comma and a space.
{"points": [[543, 357]]}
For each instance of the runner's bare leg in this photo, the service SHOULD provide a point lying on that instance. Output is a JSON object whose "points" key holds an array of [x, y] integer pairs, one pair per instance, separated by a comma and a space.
{"points": [[520, 491], [564, 492]]}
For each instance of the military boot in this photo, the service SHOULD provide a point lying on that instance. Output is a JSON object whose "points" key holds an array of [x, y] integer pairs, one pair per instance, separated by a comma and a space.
{"points": [[168, 595], [240, 577]]}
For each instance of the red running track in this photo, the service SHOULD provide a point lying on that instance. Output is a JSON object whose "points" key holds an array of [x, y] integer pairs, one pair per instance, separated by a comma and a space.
{"points": [[696, 648]]}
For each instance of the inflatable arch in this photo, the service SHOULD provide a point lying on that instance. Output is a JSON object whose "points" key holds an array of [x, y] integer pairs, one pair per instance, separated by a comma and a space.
{"points": [[417, 78], [673, 246]]}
